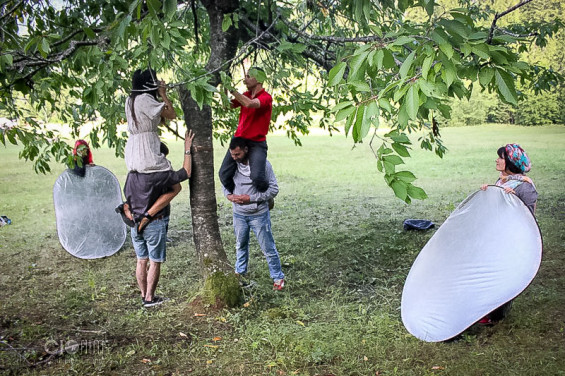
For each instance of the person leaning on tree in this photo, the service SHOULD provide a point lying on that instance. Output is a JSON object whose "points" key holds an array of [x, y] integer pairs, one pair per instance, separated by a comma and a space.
{"points": [[251, 212], [254, 120], [142, 192]]}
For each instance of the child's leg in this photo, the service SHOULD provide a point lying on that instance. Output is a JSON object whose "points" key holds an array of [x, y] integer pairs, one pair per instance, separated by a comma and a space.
{"points": [[227, 171], [257, 160]]}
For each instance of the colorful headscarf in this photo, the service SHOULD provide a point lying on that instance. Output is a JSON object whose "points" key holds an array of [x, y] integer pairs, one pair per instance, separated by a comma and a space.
{"points": [[518, 157], [84, 153]]}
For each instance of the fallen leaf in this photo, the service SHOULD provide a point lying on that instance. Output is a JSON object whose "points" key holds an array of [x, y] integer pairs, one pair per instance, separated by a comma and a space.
{"points": [[212, 346], [246, 304], [199, 314], [183, 335], [209, 361], [437, 367], [130, 353], [365, 358], [145, 361], [300, 322], [216, 339]]}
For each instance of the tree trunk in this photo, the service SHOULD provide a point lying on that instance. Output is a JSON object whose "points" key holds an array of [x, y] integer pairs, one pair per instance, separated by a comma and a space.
{"points": [[221, 284]]}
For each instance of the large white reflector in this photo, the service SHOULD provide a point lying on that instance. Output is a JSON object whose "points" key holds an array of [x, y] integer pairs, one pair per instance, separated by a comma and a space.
{"points": [[87, 225], [484, 255]]}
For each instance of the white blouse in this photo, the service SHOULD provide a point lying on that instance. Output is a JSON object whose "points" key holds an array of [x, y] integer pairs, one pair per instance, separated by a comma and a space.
{"points": [[142, 153]]}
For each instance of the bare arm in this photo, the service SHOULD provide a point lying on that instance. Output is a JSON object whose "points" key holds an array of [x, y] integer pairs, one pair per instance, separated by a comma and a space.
{"points": [[187, 162], [168, 111], [246, 102]]}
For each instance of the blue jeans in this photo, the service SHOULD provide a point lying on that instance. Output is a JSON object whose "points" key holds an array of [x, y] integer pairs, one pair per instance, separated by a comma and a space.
{"points": [[152, 243], [261, 226]]}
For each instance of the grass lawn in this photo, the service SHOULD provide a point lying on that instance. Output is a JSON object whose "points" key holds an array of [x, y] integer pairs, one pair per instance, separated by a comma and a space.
{"points": [[338, 228]]}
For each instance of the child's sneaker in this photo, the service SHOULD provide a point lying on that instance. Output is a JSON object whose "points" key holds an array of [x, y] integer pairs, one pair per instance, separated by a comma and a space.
{"points": [[278, 285]]}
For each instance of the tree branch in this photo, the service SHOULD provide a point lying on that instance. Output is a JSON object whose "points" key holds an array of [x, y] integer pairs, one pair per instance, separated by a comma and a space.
{"points": [[498, 16], [372, 38]]}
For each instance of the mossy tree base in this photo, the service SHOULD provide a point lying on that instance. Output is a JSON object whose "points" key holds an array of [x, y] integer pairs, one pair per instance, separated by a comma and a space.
{"points": [[222, 289]]}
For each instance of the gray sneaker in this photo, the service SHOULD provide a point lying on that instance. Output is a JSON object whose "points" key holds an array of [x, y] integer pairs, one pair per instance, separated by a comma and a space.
{"points": [[157, 300]]}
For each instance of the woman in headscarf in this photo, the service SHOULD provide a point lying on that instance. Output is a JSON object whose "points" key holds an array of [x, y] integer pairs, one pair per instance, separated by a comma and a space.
{"points": [[82, 157], [513, 163]]}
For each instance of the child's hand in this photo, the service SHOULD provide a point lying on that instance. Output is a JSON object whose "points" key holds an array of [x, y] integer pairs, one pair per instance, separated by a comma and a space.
{"points": [[484, 187]]}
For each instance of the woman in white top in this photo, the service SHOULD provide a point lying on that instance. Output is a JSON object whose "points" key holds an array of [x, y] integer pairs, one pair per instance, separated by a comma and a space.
{"points": [[144, 113], [143, 153]]}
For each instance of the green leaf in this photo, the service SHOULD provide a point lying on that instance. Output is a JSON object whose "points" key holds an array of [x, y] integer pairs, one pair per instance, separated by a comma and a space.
{"points": [[402, 40], [400, 189], [481, 50], [154, 7], [485, 76], [400, 149], [342, 105], [413, 101], [406, 65], [428, 61], [133, 5], [446, 49], [349, 121], [357, 61], [226, 22], [373, 112], [393, 159], [378, 59], [439, 36], [449, 74], [406, 176], [356, 133], [170, 7], [89, 33], [345, 112], [429, 6], [505, 84], [388, 59], [336, 74], [44, 48], [359, 86], [258, 74], [416, 192], [455, 28]]}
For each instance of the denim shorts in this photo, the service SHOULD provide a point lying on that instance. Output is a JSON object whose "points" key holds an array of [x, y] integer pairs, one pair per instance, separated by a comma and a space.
{"points": [[152, 243]]}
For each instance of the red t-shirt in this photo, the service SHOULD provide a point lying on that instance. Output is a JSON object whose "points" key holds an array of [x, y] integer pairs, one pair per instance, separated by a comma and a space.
{"points": [[254, 122]]}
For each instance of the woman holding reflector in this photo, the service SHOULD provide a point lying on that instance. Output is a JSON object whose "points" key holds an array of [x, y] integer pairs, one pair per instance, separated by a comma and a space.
{"points": [[513, 163]]}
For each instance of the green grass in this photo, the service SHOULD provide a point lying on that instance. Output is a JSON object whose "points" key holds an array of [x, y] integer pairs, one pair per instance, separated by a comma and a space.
{"points": [[339, 232]]}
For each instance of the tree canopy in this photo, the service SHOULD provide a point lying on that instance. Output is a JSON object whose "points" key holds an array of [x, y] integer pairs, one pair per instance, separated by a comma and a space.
{"points": [[366, 63]]}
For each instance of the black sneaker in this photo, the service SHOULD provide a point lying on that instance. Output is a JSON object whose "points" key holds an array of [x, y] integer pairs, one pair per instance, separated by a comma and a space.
{"points": [[157, 300]]}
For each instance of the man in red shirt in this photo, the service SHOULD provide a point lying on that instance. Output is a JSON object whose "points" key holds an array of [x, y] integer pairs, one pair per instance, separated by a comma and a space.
{"points": [[254, 119]]}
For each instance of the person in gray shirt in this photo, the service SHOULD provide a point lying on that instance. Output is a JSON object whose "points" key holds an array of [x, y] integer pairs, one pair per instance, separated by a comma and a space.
{"points": [[251, 212]]}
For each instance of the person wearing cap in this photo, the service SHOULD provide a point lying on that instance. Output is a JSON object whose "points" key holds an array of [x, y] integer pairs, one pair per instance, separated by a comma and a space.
{"points": [[256, 106], [513, 163]]}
